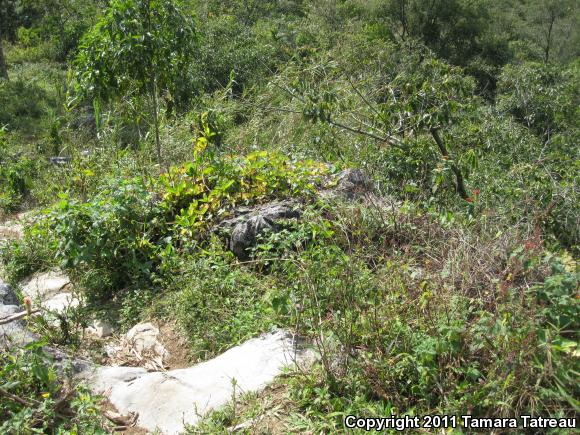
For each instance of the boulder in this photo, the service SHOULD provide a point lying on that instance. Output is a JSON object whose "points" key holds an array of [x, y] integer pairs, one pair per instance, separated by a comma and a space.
{"points": [[50, 290], [143, 337], [15, 332], [349, 184], [99, 328], [42, 285], [167, 401], [243, 229], [7, 295]]}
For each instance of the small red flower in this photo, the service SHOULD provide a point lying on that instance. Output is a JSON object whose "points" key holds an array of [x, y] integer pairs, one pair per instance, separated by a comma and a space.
{"points": [[28, 304], [476, 192], [469, 199]]}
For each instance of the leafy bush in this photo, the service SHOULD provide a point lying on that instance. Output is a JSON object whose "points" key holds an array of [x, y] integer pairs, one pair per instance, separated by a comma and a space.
{"points": [[116, 234], [231, 50], [126, 234], [34, 400], [21, 102], [542, 97], [199, 193], [229, 305], [420, 350], [15, 177]]}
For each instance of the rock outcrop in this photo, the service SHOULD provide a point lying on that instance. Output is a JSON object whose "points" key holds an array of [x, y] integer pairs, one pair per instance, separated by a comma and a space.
{"points": [[15, 332], [50, 290], [242, 231], [349, 184], [167, 401]]}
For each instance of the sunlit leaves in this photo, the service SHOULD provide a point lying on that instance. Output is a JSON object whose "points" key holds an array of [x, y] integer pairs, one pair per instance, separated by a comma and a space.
{"points": [[136, 42]]}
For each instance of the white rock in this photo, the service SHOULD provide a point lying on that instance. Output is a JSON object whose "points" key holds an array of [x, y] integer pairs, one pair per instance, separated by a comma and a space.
{"points": [[43, 285], [60, 302], [99, 328], [166, 401], [50, 291], [143, 338]]}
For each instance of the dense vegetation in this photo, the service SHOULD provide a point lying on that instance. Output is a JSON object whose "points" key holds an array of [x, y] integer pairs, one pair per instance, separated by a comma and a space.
{"points": [[452, 289]]}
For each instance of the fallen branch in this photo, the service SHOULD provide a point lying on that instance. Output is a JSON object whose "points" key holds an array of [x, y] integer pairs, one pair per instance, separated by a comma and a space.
{"points": [[19, 399], [122, 420], [17, 316]]}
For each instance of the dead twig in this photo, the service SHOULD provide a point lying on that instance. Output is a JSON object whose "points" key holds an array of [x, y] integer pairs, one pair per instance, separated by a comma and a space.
{"points": [[122, 420], [17, 316], [29, 403]]}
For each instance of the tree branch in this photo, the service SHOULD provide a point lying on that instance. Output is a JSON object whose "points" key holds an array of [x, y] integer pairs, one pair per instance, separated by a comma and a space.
{"points": [[460, 184]]}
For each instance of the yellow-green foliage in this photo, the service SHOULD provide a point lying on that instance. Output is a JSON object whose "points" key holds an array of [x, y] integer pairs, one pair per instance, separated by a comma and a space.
{"points": [[199, 192]]}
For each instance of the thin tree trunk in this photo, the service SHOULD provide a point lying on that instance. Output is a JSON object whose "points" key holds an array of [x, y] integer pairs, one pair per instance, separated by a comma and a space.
{"points": [[156, 119], [153, 86], [549, 37], [403, 19], [3, 68], [459, 183]]}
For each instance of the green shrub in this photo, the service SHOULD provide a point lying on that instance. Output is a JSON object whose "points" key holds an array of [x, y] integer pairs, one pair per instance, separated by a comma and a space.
{"points": [[127, 233], [542, 97], [199, 193], [16, 174], [116, 234], [220, 304], [34, 399], [21, 103], [422, 346]]}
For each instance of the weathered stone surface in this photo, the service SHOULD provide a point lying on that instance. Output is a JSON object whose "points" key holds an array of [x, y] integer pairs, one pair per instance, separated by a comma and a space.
{"points": [[350, 184], [50, 290], [15, 332], [168, 400], [143, 337], [244, 228], [100, 329], [7, 295], [45, 284]]}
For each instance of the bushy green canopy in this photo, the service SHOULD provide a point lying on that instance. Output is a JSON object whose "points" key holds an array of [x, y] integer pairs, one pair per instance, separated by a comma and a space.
{"points": [[134, 44]]}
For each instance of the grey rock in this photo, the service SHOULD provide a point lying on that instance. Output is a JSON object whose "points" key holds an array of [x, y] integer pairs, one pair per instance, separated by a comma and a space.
{"points": [[100, 328], [15, 332], [352, 183], [243, 229], [7, 295], [59, 160]]}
